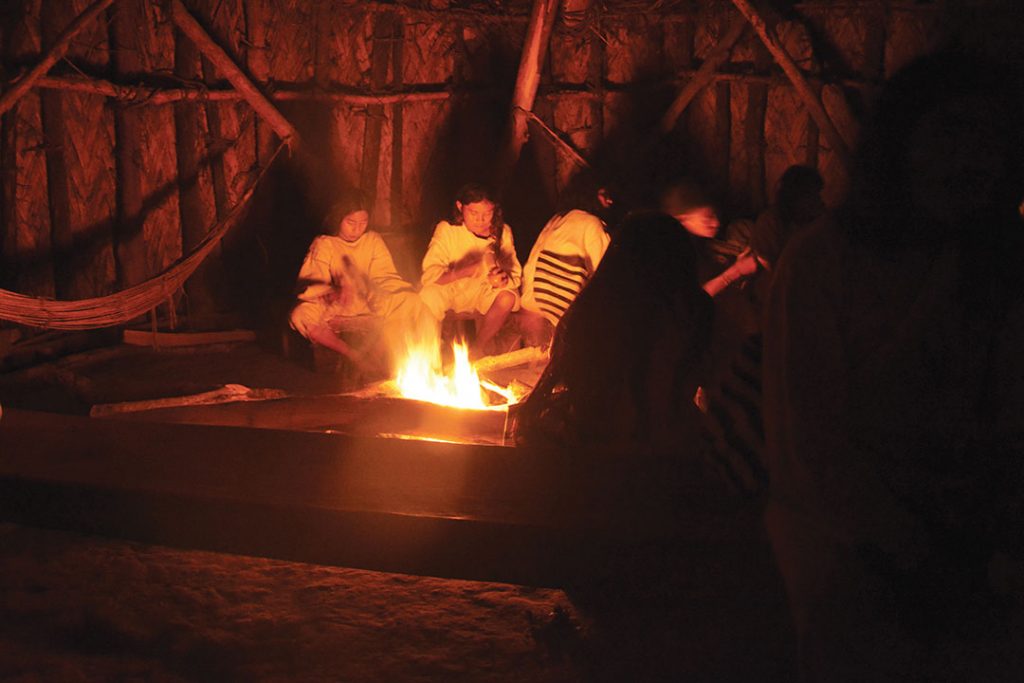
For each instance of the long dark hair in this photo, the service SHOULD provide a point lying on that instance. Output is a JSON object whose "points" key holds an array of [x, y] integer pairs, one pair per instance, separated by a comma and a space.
{"points": [[879, 210], [796, 182], [476, 192], [644, 292]]}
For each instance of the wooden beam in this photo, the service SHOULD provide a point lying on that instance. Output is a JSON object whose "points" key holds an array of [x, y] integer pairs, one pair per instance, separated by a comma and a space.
{"points": [[144, 95], [796, 77], [474, 512], [535, 47], [184, 20], [53, 55], [704, 75], [559, 142]]}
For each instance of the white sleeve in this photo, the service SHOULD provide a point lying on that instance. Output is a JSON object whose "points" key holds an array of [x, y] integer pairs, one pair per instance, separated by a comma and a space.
{"points": [[595, 244], [315, 273], [509, 259], [438, 256]]}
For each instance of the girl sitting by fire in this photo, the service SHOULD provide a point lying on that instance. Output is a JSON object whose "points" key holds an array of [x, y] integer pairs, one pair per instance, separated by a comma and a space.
{"points": [[471, 265], [349, 273]]}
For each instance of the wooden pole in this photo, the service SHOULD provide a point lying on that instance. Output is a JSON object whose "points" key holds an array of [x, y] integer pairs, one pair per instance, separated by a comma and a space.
{"points": [[144, 95], [796, 77], [560, 143], [184, 20], [53, 55], [538, 34], [704, 75]]}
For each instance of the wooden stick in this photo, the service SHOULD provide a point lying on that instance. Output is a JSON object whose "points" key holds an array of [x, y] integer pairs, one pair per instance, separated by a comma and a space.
{"points": [[704, 75], [56, 52], [184, 20], [538, 34], [560, 143], [796, 77], [228, 393]]}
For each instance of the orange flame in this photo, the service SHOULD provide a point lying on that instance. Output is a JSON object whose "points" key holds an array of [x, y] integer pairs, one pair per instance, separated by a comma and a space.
{"points": [[420, 379]]}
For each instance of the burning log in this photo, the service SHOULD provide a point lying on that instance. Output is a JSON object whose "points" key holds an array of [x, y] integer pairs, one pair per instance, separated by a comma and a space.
{"points": [[529, 355]]}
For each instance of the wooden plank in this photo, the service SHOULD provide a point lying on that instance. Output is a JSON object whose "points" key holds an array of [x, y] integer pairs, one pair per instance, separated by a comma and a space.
{"points": [[457, 511], [140, 338]]}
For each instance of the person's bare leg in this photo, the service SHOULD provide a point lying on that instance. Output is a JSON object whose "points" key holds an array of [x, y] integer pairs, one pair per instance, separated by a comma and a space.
{"points": [[536, 329], [324, 336], [495, 317]]}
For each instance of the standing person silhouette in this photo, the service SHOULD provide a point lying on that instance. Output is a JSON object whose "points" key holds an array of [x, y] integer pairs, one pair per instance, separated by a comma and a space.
{"points": [[894, 388]]}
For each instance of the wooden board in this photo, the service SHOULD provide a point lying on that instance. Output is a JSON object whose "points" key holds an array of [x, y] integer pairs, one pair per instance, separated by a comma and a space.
{"points": [[458, 511]]}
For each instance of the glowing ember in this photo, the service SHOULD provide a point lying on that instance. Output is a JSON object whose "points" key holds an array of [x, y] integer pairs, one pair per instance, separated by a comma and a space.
{"points": [[421, 379]]}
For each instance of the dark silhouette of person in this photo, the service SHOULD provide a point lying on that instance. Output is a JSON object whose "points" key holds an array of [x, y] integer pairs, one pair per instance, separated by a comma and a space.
{"points": [[628, 354], [894, 390]]}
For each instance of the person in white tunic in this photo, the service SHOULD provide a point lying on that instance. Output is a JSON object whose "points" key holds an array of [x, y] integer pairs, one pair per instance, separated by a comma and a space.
{"points": [[347, 274], [471, 265]]}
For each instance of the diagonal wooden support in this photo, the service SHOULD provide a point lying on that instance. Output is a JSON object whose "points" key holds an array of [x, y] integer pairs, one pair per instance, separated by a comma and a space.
{"points": [[535, 48], [796, 77], [704, 75], [188, 25], [59, 49]]}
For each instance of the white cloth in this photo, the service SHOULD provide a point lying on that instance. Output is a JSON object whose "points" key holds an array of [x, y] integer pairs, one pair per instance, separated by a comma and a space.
{"points": [[564, 257], [341, 279], [454, 244]]}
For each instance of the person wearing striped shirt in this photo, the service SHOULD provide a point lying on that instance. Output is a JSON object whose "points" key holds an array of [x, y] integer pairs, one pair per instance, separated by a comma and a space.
{"points": [[564, 257]]}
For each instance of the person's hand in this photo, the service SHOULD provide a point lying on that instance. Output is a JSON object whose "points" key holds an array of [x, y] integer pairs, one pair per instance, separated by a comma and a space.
{"points": [[498, 278], [332, 296], [464, 267], [746, 263]]}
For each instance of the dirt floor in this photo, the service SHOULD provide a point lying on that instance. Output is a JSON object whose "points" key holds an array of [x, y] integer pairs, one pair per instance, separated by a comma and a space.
{"points": [[78, 608]]}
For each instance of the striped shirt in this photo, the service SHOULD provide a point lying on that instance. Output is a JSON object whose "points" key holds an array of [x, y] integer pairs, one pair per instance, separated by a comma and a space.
{"points": [[566, 254]]}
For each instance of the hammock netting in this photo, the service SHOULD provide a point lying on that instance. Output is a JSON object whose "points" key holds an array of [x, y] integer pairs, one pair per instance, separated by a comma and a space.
{"points": [[124, 306]]}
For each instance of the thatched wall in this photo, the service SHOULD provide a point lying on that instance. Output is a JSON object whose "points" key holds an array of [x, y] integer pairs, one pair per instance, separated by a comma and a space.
{"points": [[99, 193]]}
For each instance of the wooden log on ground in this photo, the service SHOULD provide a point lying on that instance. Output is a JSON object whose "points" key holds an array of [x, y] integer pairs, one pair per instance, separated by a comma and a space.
{"points": [[229, 393], [184, 20], [165, 339], [56, 52], [474, 512]]}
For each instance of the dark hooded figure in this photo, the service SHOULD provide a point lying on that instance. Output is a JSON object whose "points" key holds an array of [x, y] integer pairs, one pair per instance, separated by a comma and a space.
{"points": [[628, 355], [894, 390]]}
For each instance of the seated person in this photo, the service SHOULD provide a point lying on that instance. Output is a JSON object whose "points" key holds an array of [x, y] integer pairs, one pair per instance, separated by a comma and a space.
{"points": [[471, 265], [348, 272], [564, 257], [687, 202]]}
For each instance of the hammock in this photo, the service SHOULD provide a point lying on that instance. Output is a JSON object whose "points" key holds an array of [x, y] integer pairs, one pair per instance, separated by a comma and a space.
{"points": [[121, 307]]}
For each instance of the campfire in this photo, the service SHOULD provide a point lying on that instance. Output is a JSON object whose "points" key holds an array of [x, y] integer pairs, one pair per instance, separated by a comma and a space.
{"points": [[422, 378]]}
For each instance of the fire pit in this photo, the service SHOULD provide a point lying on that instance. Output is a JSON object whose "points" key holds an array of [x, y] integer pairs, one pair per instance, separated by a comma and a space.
{"points": [[462, 402]]}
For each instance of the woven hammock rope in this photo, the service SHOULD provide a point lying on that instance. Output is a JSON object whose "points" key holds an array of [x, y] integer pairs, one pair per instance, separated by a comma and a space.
{"points": [[121, 307]]}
